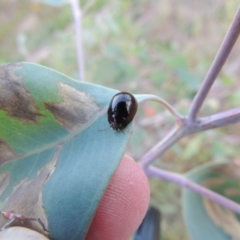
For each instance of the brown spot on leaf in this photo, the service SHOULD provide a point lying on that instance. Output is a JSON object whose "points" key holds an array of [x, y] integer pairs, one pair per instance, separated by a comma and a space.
{"points": [[26, 198], [4, 181], [15, 99], [6, 152], [75, 109], [224, 218]]}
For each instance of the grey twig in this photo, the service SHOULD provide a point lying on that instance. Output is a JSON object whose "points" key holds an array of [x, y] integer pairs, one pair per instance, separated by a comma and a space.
{"points": [[77, 15], [188, 125], [164, 103], [159, 149], [217, 120], [153, 172], [222, 55], [184, 127]]}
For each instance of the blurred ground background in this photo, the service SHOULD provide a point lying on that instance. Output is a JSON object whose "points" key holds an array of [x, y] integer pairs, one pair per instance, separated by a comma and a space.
{"points": [[162, 47]]}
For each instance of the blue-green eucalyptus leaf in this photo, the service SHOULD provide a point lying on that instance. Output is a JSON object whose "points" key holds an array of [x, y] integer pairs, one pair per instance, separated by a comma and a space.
{"points": [[57, 151], [204, 218]]}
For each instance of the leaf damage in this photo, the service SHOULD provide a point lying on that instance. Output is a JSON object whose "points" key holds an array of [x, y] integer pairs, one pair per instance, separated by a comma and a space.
{"points": [[76, 108], [4, 181], [6, 153], [15, 99], [26, 197]]}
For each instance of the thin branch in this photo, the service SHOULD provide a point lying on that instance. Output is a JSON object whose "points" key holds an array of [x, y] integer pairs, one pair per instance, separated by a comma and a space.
{"points": [[153, 172], [77, 15], [189, 125], [159, 149], [147, 97], [224, 51], [217, 120], [185, 127]]}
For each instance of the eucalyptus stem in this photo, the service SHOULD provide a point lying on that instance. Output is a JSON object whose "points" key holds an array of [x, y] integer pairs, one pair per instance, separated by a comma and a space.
{"points": [[164, 103], [188, 125], [221, 119], [185, 127], [77, 16], [159, 149], [153, 172], [222, 55]]}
